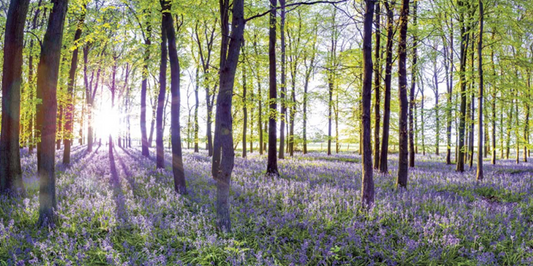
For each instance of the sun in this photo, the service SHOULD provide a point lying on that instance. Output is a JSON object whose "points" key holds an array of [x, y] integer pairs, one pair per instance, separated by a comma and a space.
{"points": [[106, 121]]}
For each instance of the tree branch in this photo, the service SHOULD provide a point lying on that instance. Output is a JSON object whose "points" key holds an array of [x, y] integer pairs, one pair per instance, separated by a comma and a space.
{"points": [[295, 4]]}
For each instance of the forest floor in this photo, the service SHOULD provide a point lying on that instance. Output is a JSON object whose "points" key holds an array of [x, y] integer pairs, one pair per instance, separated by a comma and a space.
{"points": [[117, 209]]}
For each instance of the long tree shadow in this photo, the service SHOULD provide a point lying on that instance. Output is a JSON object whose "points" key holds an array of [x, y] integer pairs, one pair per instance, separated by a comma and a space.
{"points": [[127, 173], [117, 191]]}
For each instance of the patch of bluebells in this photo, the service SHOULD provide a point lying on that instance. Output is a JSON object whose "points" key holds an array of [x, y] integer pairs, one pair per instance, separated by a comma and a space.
{"points": [[125, 212]]}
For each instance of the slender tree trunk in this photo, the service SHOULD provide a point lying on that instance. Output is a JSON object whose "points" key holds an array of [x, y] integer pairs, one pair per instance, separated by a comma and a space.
{"points": [[283, 90], [272, 162], [479, 174], [377, 86], [460, 167], [367, 184], [412, 92], [449, 85], [403, 169], [10, 169], [177, 161], [68, 135], [144, 89], [383, 164], [437, 118], [160, 149], [224, 155], [196, 106], [244, 109], [47, 75]]}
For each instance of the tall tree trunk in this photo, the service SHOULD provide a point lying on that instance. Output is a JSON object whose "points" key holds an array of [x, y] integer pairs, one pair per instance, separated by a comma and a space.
{"points": [[449, 89], [31, 124], [47, 75], [412, 92], [144, 89], [244, 102], [479, 174], [383, 166], [177, 161], [160, 149], [377, 86], [403, 169], [367, 184], [272, 162], [196, 106], [437, 118], [493, 88], [223, 154], [460, 167], [10, 169], [283, 115], [68, 135]]}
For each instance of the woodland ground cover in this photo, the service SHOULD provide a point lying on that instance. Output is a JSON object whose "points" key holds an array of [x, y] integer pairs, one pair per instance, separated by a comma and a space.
{"points": [[117, 209]]}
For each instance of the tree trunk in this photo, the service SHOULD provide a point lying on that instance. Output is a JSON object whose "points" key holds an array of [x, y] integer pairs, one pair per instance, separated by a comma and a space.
{"points": [[449, 89], [272, 162], [412, 92], [244, 102], [10, 169], [177, 160], [144, 89], [460, 167], [283, 115], [403, 169], [223, 154], [68, 135], [367, 184], [479, 174], [47, 75], [377, 86], [196, 106], [160, 149], [383, 167], [260, 101]]}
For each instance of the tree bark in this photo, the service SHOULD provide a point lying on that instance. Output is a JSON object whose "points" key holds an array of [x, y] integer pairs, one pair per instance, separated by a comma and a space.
{"points": [[377, 86], [403, 169], [412, 92], [69, 115], [367, 184], [272, 162], [479, 174], [223, 153], [283, 90], [177, 161], [460, 167], [383, 164], [10, 169], [244, 102], [160, 149], [47, 75], [144, 89]]}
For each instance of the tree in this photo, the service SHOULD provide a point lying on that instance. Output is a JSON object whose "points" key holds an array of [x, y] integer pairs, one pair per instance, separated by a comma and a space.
{"points": [[160, 149], [69, 116], [377, 86], [177, 161], [283, 91], [10, 170], [403, 169], [412, 92], [223, 153], [47, 75], [479, 174], [383, 167], [272, 162], [367, 189], [462, 113]]}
